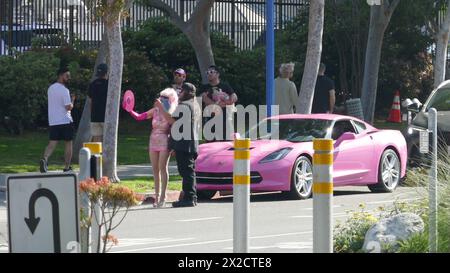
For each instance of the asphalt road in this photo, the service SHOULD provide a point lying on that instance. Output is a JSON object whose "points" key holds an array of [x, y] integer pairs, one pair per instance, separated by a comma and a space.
{"points": [[276, 225]]}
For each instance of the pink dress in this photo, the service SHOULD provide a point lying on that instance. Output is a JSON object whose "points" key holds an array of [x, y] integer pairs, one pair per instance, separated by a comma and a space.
{"points": [[159, 138]]}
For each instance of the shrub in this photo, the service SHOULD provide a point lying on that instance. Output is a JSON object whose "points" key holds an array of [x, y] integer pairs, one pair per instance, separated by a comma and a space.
{"points": [[144, 78], [349, 236], [167, 47], [111, 199], [24, 79], [419, 177]]}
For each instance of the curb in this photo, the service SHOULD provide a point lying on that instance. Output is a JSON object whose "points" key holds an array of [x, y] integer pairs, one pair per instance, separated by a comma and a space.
{"points": [[171, 196]]}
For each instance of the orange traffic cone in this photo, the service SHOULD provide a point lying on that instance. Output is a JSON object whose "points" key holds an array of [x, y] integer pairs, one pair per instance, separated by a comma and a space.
{"points": [[394, 114]]}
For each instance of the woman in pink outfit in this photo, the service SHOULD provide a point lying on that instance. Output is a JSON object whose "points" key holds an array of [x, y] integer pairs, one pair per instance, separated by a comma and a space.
{"points": [[158, 144]]}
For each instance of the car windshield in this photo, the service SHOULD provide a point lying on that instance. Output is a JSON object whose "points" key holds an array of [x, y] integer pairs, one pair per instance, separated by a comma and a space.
{"points": [[440, 100], [293, 130]]}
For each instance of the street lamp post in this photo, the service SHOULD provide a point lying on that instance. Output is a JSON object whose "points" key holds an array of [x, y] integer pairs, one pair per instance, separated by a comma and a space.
{"points": [[270, 56]]}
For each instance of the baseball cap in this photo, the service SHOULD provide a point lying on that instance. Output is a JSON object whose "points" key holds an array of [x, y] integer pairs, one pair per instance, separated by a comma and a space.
{"points": [[102, 69], [180, 71]]}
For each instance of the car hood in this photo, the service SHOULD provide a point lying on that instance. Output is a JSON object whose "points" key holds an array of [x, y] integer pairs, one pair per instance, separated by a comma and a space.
{"points": [[421, 120], [258, 149]]}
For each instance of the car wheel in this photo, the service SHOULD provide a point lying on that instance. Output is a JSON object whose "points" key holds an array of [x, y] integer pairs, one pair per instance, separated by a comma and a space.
{"points": [[301, 179], [205, 195], [388, 172]]}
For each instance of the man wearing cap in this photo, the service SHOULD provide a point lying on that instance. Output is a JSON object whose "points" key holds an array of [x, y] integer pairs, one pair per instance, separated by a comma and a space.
{"points": [[98, 90], [184, 140], [217, 93], [179, 76]]}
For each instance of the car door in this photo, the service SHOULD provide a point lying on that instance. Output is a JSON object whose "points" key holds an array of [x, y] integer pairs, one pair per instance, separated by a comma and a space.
{"points": [[352, 153]]}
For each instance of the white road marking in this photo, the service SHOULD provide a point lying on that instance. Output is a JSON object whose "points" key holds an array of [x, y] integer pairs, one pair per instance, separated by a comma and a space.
{"points": [[285, 245], [341, 214], [335, 206], [147, 241], [199, 219], [209, 242]]}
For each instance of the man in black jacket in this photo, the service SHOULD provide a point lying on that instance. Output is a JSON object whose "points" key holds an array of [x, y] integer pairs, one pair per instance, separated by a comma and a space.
{"points": [[184, 141]]}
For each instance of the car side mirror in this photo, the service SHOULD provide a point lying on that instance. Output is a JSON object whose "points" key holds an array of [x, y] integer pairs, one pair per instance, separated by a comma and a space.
{"points": [[346, 136], [414, 107]]}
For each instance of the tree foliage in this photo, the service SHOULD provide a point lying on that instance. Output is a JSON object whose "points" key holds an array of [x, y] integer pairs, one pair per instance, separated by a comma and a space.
{"points": [[405, 60]]}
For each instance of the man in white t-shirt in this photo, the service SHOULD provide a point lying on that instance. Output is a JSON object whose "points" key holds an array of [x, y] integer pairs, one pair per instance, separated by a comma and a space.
{"points": [[60, 103]]}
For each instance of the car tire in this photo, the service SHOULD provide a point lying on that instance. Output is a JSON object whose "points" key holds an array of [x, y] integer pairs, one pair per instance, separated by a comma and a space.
{"points": [[301, 179], [388, 172], [205, 195]]}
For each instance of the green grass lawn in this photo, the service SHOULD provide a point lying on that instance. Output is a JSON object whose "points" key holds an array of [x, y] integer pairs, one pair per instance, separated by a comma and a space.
{"points": [[22, 153], [382, 124], [145, 184]]}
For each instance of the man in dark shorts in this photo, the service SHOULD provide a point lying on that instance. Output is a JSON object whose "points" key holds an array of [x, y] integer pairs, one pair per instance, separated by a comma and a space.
{"points": [[221, 96], [60, 103], [98, 91], [324, 94]]}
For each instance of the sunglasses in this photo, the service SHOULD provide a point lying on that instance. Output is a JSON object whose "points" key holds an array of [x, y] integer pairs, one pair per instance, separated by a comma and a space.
{"points": [[210, 72]]}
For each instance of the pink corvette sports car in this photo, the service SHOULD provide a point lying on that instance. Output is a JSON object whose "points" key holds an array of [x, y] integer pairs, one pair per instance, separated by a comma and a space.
{"points": [[363, 155]]}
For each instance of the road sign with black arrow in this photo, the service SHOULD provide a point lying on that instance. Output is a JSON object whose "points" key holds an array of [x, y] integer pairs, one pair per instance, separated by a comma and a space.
{"points": [[43, 213]]}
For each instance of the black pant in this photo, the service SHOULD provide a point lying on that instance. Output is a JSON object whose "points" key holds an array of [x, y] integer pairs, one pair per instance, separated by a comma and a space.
{"points": [[185, 164], [224, 137]]}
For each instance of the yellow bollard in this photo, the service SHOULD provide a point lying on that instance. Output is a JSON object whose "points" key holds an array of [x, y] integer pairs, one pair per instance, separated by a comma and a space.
{"points": [[96, 173], [241, 195], [96, 159], [323, 196]]}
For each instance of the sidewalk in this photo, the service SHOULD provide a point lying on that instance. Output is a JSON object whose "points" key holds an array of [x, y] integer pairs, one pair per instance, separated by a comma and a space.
{"points": [[132, 171]]}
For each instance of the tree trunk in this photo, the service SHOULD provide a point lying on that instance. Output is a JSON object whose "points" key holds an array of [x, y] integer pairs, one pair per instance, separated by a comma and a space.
{"points": [[84, 128], [441, 39], [371, 67], [380, 15], [203, 51], [197, 29], [441, 58], [313, 54], [113, 99]]}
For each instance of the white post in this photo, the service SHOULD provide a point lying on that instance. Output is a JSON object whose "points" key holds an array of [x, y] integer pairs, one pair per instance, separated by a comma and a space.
{"points": [[433, 219], [96, 149], [241, 195], [323, 196], [85, 172]]}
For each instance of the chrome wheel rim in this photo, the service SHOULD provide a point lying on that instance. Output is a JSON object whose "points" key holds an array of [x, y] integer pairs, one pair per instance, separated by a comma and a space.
{"points": [[303, 177], [390, 170]]}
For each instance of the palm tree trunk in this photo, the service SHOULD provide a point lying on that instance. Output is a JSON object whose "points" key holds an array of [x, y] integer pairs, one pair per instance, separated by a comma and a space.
{"points": [[313, 55], [113, 100]]}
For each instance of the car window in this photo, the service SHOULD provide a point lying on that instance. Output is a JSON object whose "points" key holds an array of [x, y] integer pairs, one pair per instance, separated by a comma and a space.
{"points": [[440, 100], [360, 127], [340, 127]]}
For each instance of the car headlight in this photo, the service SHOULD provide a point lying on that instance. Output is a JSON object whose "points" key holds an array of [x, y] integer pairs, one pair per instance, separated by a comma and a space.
{"points": [[410, 131], [277, 155]]}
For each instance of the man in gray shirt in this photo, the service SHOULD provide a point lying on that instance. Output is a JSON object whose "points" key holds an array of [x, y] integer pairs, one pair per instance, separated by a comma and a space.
{"points": [[286, 96]]}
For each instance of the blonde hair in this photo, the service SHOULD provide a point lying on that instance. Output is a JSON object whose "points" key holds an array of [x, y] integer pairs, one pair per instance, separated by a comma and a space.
{"points": [[286, 69], [173, 98]]}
